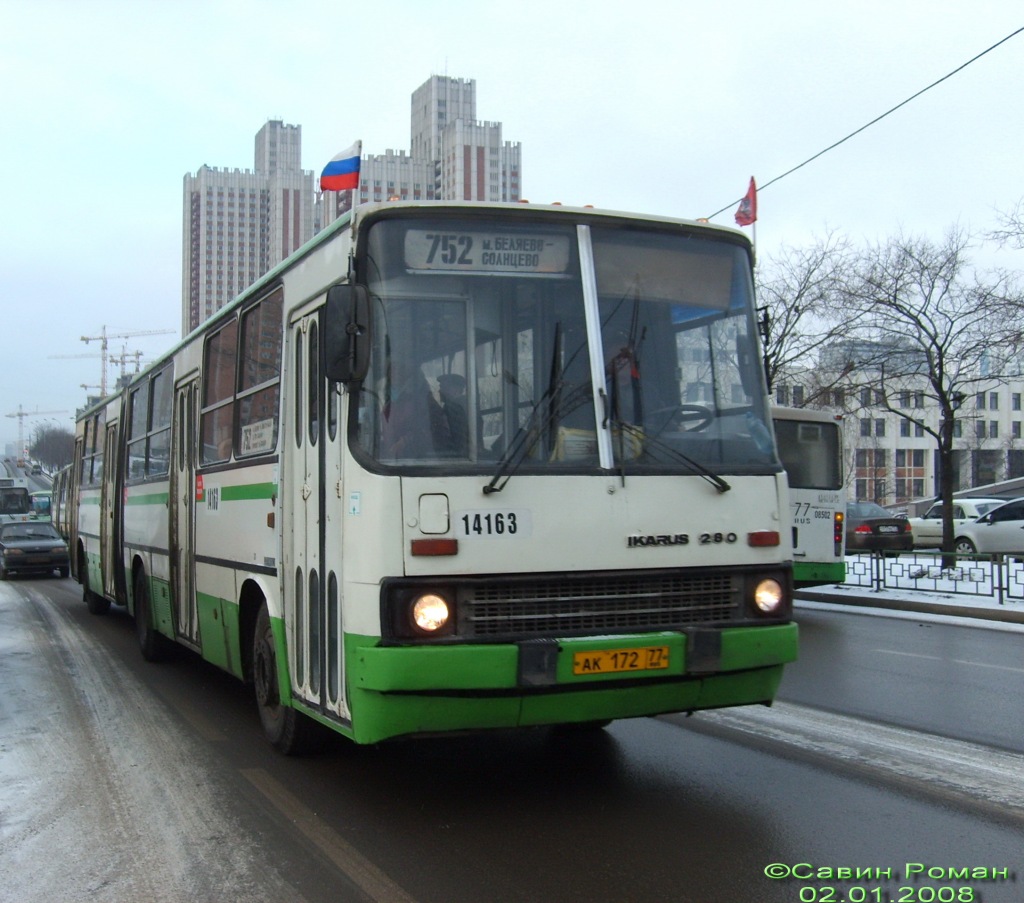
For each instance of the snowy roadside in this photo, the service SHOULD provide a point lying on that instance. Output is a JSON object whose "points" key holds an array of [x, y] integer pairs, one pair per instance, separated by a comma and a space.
{"points": [[915, 602], [103, 797]]}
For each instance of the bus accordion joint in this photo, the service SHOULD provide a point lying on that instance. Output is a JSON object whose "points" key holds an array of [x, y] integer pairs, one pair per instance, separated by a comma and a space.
{"points": [[759, 538]]}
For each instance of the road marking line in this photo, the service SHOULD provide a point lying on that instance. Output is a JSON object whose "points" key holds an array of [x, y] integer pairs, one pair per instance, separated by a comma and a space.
{"points": [[955, 661], [960, 661], [933, 658], [364, 874]]}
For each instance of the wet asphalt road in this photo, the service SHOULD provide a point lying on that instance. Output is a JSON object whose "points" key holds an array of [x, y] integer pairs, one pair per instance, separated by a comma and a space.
{"points": [[894, 742]]}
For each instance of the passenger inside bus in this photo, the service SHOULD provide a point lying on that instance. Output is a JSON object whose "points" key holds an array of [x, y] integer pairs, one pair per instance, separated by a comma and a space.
{"points": [[452, 388], [414, 423]]}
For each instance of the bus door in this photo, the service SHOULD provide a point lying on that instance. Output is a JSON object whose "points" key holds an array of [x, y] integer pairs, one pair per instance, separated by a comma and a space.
{"points": [[313, 584], [109, 519], [182, 514]]}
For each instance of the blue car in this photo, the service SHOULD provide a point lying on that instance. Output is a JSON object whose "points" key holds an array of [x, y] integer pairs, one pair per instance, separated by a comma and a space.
{"points": [[32, 547]]}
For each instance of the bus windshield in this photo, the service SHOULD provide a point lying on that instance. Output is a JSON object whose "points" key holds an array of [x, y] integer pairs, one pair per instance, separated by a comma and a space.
{"points": [[488, 342], [810, 453], [15, 501]]}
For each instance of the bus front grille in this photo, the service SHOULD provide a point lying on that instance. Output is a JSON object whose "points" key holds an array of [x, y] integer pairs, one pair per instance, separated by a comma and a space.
{"points": [[565, 606]]}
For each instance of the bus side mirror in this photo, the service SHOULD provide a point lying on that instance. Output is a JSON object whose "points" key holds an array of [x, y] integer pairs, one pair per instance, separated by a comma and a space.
{"points": [[347, 333]]}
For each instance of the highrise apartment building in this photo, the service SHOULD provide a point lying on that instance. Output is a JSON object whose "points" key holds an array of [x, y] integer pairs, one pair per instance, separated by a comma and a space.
{"points": [[453, 156], [238, 224]]}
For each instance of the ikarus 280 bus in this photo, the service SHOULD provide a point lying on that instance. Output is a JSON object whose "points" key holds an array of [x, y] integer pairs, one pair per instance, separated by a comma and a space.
{"points": [[458, 467]]}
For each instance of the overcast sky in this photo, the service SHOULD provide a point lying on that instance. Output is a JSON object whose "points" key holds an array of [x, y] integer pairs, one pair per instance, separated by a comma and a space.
{"points": [[658, 106]]}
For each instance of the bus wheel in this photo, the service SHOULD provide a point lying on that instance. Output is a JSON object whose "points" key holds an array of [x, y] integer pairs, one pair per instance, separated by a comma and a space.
{"points": [[288, 730], [152, 644], [97, 604]]}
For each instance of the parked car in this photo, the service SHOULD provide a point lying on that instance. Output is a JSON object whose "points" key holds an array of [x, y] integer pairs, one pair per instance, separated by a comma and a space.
{"points": [[32, 547], [927, 529], [1000, 530], [870, 528]]}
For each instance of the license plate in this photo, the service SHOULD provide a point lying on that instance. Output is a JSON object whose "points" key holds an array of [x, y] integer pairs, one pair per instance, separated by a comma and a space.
{"points": [[615, 661], [888, 528]]}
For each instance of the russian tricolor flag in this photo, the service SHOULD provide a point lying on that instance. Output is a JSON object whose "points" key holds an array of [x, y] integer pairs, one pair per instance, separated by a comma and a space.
{"points": [[343, 170]]}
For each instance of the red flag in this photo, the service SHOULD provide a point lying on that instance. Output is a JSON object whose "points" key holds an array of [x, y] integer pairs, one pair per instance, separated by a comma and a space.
{"points": [[746, 213]]}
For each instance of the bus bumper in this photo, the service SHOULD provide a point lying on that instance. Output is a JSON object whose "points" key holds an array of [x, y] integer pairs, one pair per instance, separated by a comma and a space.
{"points": [[409, 690]]}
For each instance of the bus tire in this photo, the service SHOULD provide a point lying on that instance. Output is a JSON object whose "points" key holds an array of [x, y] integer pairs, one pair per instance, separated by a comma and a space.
{"points": [[289, 731], [152, 644], [97, 604]]}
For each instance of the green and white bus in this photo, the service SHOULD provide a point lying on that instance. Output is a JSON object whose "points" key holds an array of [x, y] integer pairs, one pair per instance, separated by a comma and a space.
{"points": [[811, 447], [457, 467]]}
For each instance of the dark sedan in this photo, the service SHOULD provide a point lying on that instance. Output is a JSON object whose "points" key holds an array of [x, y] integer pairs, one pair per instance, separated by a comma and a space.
{"points": [[32, 547], [870, 528]]}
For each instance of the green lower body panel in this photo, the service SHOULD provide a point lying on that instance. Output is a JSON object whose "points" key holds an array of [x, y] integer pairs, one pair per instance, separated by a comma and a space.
{"points": [[817, 573], [160, 600], [218, 632], [407, 690]]}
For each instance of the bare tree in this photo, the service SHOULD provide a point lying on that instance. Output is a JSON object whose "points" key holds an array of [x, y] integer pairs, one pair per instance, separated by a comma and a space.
{"points": [[52, 446], [924, 317], [799, 292], [1010, 232]]}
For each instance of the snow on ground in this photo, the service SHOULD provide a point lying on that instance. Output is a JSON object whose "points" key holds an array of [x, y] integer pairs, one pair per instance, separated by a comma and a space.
{"points": [[917, 584]]}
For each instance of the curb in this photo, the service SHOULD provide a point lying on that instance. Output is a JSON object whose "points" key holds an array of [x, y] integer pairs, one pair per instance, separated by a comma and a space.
{"points": [[1011, 616]]}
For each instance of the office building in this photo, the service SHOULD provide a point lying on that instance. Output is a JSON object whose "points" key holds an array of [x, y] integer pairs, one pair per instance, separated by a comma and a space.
{"points": [[453, 155], [238, 224]]}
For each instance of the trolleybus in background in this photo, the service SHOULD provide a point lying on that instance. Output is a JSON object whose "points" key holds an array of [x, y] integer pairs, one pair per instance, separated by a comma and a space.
{"points": [[41, 501], [811, 448], [457, 466]]}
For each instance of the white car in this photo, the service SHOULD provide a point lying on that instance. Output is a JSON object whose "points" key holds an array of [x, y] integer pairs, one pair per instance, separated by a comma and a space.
{"points": [[1001, 530], [927, 530]]}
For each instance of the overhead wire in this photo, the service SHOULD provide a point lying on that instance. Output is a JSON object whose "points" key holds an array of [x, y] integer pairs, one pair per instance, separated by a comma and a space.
{"points": [[867, 125]]}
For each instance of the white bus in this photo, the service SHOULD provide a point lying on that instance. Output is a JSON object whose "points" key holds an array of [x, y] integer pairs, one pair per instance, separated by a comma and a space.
{"points": [[811, 447], [457, 466], [15, 502]]}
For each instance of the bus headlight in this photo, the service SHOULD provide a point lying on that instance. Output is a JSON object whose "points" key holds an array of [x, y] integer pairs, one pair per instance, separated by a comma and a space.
{"points": [[769, 596], [430, 612]]}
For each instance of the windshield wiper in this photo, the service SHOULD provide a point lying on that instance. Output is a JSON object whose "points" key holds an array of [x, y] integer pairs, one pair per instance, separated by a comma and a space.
{"points": [[529, 434], [644, 438], [525, 438]]}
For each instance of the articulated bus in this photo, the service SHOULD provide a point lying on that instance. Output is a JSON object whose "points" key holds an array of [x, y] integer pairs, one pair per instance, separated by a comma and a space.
{"points": [[457, 467], [811, 447]]}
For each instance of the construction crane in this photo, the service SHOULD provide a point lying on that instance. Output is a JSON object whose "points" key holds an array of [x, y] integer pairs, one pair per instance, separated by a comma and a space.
{"points": [[122, 360], [21, 414], [104, 338]]}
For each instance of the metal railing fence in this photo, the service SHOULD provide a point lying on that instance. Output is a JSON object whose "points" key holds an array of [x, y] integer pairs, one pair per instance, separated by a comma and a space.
{"points": [[1000, 577]]}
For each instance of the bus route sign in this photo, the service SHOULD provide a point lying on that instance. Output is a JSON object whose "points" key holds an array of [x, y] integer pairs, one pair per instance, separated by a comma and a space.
{"points": [[486, 252]]}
